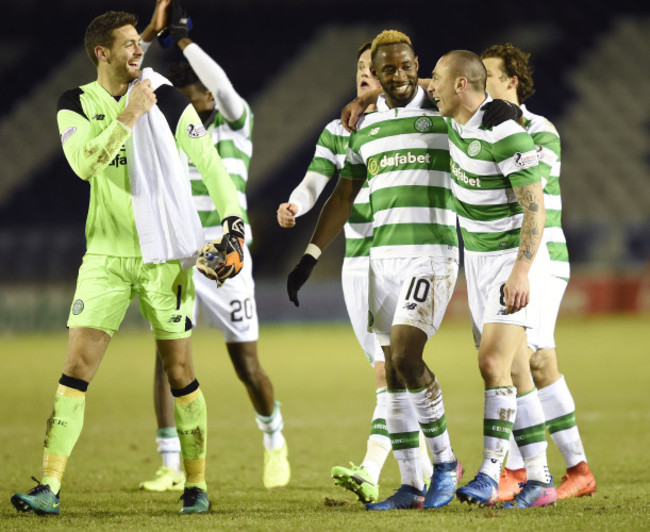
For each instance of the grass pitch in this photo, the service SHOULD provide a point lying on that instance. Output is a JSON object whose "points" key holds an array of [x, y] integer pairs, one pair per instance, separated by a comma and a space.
{"points": [[327, 394]]}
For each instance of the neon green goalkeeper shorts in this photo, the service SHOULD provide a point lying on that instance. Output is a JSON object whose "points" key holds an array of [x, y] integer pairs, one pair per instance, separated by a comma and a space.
{"points": [[106, 286]]}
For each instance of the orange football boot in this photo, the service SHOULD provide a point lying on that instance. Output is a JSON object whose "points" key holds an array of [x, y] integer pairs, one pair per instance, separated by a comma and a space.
{"points": [[578, 482], [509, 483]]}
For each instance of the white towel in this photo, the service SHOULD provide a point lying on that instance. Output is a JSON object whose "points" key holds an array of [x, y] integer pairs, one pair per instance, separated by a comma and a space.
{"points": [[168, 224]]}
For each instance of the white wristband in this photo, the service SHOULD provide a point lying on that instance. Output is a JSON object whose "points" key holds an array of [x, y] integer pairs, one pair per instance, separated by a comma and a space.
{"points": [[313, 250]]}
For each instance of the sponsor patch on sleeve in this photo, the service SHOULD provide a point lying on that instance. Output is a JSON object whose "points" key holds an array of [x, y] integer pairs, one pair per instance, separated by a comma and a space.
{"points": [[67, 134], [196, 131], [526, 159]]}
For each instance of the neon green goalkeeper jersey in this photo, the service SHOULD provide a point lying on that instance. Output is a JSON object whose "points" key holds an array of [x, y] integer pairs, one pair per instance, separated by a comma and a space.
{"points": [[547, 142], [233, 141], [94, 145], [486, 164]]}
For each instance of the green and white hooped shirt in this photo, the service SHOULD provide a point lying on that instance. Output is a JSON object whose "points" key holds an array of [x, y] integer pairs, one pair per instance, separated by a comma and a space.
{"points": [[486, 164], [547, 141], [403, 154], [233, 141], [329, 158]]}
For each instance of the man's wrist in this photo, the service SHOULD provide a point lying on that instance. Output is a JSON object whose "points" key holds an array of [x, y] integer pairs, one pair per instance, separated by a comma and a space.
{"points": [[128, 119], [522, 265], [313, 250], [184, 42]]}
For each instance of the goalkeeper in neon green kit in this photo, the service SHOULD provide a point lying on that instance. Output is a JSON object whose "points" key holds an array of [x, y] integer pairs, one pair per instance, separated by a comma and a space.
{"points": [[124, 134]]}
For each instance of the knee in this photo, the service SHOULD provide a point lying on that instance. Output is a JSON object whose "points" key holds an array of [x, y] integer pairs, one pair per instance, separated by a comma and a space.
{"points": [[492, 370], [246, 364], [543, 366], [519, 373], [179, 374], [400, 363]]}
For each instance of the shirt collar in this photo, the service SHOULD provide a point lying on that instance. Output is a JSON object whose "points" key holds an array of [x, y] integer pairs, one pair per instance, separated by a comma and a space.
{"points": [[477, 118], [416, 103]]}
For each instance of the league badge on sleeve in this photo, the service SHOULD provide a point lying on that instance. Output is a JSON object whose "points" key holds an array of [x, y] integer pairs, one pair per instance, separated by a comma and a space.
{"points": [[196, 131], [67, 134]]}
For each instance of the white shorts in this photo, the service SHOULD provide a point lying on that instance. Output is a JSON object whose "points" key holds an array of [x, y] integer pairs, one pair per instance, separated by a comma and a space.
{"points": [[486, 276], [354, 280], [409, 291], [542, 336], [231, 308]]}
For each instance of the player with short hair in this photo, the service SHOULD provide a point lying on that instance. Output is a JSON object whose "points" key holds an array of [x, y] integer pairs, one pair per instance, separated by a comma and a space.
{"points": [[122, 133], [329, 159], [498, 198], [509, 76], [231, 307], [402, 152]]}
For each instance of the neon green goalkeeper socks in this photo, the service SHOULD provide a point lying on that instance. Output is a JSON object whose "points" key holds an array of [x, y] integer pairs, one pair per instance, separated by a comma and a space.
{"points": [[190, 415], [63, 430]]}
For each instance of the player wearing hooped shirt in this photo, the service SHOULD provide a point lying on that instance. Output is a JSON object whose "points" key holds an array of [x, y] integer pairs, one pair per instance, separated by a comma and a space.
{"points": [[401, 151], [510, 77], [498, 198], [329, 159]]}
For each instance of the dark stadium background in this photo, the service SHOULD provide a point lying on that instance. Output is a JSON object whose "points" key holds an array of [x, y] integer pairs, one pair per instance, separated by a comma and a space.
{"points": [[42, 211]]}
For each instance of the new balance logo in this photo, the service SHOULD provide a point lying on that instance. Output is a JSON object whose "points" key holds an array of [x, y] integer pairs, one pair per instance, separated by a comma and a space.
{"points": [[99, 117], [175, 319], [410, 306]]}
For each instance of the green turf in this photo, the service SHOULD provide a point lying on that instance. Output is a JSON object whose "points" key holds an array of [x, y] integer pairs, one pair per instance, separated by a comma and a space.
{"points": [[327, 391]]}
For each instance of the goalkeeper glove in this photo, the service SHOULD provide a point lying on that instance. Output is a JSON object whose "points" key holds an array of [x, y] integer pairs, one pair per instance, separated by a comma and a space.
{"points": [[301, 273], [498, 111], [178, 26], [211, 261], [233, 236], [224, 258]]}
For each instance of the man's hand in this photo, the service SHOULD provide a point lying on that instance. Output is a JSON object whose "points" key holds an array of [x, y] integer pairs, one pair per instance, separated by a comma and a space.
{"points": [[299, 276], [516, 291], [178, 26], [212, 261], [158, 20], [141, 99], [498, 111], [352, 112], [287, 215], [233, 238]]}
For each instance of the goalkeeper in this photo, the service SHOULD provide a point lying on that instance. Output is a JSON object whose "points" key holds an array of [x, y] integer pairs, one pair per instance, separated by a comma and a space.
{"points": [[230, 308], [122, 133]]}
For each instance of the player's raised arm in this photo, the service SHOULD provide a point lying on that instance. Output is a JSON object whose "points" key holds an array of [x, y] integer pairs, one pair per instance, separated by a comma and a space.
{"points": [[191, 136], [158, 21], [193, 139]]}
